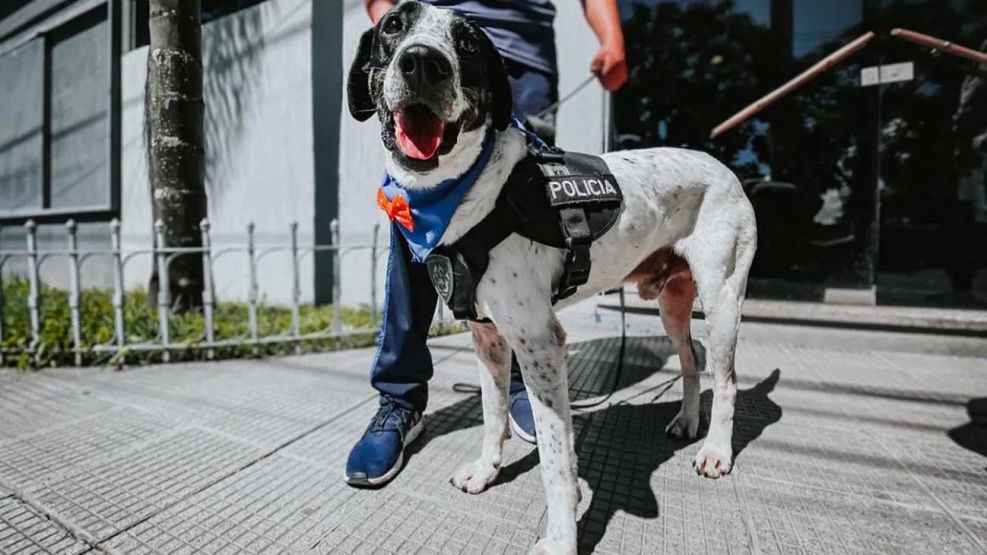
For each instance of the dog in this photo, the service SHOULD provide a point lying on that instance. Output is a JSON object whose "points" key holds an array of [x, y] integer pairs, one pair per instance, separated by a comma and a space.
{"points": [[685, 229]]}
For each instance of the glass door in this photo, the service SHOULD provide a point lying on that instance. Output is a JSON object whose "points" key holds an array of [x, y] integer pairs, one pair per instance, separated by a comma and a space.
{"points": [[808, 162], [933, 156]]}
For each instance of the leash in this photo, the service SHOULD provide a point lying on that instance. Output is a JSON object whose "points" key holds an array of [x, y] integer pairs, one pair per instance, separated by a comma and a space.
{"points": [[619, 371], [567, 97]]}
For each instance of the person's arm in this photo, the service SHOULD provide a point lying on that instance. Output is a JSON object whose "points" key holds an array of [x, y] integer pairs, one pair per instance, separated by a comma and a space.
{"points": [[609, 64], [377, 8]]}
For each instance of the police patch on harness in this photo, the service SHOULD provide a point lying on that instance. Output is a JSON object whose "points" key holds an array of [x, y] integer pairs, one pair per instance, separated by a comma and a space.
{"points": [[578, 189], [442, 276]]}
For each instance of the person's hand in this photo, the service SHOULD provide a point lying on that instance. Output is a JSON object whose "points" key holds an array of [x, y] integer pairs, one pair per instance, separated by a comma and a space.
{"points": [[610, 66]]}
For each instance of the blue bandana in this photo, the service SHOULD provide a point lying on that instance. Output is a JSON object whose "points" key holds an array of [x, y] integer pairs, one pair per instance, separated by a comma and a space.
{"points": [[432, 208]]}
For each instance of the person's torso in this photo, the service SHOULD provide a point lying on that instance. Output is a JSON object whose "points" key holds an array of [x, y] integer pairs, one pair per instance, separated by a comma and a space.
{"points": [[521, 29]]}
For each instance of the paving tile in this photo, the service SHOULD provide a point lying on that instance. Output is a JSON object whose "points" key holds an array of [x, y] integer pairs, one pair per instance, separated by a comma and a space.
{"points": [[279, 503], [23, 530], [35, 401], [790, 518], [112, 494], [42, 455]]}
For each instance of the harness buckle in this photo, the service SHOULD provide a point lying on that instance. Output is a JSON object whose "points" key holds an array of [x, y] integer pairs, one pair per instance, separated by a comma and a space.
{"points": [[575, 271], [546, 153]]}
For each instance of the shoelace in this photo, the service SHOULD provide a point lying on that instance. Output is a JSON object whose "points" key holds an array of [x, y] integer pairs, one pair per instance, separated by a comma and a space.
{"points": [[379, 421]]}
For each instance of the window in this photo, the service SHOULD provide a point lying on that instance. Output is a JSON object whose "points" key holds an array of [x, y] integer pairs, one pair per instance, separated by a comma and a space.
{"points": [[54, 154], [21, 135]]}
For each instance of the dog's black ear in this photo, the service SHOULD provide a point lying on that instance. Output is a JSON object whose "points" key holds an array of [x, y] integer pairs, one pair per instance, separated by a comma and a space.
{"points": [[502, 102], [358, 85]]}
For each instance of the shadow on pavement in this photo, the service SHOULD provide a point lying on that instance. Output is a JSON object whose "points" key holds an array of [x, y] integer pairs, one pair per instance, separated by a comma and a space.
{"points": [[591, 373], [620, 446], [973, 434], [624, 445]]}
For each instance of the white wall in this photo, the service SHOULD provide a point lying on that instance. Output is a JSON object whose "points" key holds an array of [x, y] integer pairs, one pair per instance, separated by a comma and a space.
{"points": [[360, 170], [361, 154], [258, 97]]}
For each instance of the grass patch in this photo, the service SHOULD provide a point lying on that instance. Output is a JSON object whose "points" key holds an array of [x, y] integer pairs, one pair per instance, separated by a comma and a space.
{"points": [[141, 325]]}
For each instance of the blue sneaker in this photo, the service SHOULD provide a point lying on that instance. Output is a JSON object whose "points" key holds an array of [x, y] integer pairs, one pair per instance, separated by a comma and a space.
{"points": [[519, 413], [379, 454]]}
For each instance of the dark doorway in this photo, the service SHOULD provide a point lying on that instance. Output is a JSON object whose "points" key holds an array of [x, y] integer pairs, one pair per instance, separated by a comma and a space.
{"points": [[933, 248], [807, 162], [856, 185]]}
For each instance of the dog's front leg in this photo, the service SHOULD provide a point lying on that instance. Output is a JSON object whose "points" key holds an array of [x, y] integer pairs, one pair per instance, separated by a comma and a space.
{"points": [[494, 357], [540, 348]]}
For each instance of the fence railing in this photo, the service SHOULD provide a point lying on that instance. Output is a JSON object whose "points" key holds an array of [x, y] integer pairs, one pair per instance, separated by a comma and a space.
{"points": [[35, 258]]}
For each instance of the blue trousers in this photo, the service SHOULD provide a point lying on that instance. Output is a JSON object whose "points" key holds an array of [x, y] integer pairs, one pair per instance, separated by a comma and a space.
{"points": [[403, 363]]}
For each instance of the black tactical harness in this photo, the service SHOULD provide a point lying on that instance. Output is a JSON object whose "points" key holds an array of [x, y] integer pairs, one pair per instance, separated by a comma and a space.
{"points": [[560, 199]]}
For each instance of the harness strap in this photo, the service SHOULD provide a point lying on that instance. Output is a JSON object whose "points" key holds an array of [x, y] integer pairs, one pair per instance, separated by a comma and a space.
{"points": [[578, 237], [574, 225]]}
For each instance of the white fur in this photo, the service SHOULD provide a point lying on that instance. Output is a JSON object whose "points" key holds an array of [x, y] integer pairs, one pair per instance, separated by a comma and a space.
{"points": [[674, 198]]}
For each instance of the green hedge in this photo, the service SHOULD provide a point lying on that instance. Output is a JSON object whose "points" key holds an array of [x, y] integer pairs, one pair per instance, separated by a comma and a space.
{"points": [[230, 321]]}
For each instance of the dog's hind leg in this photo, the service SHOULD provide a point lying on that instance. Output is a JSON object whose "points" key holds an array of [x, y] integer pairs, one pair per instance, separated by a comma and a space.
{"points": [[494, 362], [675, 301], [721, 269]]}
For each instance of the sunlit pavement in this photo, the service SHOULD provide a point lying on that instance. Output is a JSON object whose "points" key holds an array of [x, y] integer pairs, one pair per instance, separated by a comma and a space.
{"points": [[846, 441]]}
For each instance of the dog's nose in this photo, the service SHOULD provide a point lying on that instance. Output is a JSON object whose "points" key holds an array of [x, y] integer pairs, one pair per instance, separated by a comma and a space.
{"points": [[424, 65]]}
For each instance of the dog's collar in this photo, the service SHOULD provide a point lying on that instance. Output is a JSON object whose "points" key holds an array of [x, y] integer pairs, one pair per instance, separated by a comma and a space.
{"points": [[432, 209]]}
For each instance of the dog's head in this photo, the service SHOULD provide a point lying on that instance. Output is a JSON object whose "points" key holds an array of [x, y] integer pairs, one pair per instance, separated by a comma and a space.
{"points": [[430, 75]]}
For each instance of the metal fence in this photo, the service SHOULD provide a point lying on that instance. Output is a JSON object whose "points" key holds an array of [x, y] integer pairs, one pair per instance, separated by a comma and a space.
{"points": [[164, 256]]}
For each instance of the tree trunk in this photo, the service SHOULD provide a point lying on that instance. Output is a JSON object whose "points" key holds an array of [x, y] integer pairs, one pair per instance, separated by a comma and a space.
{"points": [[174, 109]]}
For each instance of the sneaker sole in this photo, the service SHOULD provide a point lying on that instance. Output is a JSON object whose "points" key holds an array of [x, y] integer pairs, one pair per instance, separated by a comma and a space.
{"points": [[393, 471], [520, 433]]}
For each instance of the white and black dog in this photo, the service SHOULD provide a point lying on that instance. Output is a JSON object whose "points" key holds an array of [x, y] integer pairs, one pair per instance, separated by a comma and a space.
{"points": [[685, 228]]}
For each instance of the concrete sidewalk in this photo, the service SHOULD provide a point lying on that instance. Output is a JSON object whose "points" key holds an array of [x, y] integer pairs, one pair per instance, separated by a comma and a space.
{"points": [[847, 442]]}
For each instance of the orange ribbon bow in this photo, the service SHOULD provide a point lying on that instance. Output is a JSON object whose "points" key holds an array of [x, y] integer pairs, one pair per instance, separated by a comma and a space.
{"points": [[396, 210]]}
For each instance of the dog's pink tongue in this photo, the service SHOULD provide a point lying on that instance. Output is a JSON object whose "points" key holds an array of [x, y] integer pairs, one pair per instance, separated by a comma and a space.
{"points": [[419, 132]]}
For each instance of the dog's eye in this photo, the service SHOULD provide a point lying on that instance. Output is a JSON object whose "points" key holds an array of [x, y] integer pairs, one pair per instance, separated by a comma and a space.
{"points": [[468, 45], [392, 25]]}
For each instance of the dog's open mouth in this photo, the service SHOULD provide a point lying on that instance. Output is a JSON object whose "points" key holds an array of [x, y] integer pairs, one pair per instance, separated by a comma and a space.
{"points": [[418, 131]]}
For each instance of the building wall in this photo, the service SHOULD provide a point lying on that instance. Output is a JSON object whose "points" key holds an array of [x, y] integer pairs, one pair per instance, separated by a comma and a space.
{"points": [[361, 154], [259, 152]]}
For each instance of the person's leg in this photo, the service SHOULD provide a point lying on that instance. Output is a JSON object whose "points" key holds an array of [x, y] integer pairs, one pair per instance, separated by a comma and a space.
{"points": [[534, 91], [400, 371], [403, 364], [521, 418]]}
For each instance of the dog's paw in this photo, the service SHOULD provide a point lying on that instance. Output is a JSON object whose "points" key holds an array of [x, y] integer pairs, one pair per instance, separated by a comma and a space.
{"points": [[713, 460], [684, 426], [546, 547], [474, 477]]}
